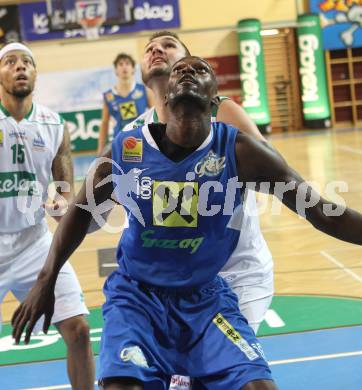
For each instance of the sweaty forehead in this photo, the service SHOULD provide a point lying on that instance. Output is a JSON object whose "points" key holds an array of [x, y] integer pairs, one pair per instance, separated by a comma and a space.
{"points": [[193, 60]]}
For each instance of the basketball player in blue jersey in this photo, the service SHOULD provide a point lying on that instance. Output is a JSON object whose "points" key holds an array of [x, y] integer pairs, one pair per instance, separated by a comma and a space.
{"points": [[167, 310], [249, 270], [125, 101]]}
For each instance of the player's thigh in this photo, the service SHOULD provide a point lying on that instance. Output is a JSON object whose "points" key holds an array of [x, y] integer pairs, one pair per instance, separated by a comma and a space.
{"points": [[69, 299], [27, 265], [229, 355], [5, 284], [255, 300]]}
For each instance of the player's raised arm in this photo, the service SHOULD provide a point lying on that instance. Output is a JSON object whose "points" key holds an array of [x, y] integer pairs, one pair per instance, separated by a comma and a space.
{"points": [[257, 163], [68, 236], [233, 114]]}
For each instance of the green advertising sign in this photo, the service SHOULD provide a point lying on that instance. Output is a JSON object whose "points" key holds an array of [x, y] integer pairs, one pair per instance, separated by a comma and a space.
{"points": [[252, 73], [312, 71], [83, 128]]}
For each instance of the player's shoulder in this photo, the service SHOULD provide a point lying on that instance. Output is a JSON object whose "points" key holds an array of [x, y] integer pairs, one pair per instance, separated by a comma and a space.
{"points": [[215, 107], [140, 86], [224, 127], [138, 92], [43, 115], [109, 95], [143, 119], [3, 113]]}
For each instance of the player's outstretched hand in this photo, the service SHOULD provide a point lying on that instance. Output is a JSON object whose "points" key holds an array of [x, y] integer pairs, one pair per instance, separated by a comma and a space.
{"points": [[39, 301]]}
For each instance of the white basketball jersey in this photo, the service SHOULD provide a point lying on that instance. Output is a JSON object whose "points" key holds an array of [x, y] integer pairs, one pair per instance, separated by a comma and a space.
{"points": [[27, 150], [251, 261]]}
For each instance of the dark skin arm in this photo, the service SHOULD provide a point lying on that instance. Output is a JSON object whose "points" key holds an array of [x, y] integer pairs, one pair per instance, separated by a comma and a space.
{"points": [[70, 233], [258, 163]]}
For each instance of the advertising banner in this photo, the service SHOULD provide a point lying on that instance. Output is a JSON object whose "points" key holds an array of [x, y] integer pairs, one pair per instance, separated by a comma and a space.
{"points": [[341, 22], [77, 96], [252, 73], [312, 70], [144, 15]]}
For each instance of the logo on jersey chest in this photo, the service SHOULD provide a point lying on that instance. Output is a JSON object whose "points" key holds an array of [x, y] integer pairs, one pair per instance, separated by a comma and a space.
{"points": [[1, 138], [109, 96], [191, 244], [137, 94], [128, 110], [38, 142], [175, 204], [211, 165], [132, 149], [17, 134]]}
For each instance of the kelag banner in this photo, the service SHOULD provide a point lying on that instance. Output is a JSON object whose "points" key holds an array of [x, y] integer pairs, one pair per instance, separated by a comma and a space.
{"points": [[312, 70], [9, 24], [83, 127], [146, 15], [252, 74], [77, 96], [341, 21]]}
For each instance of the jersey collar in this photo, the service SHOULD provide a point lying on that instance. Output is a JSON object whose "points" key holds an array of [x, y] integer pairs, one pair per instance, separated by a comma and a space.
{"points": [[7, 113]]}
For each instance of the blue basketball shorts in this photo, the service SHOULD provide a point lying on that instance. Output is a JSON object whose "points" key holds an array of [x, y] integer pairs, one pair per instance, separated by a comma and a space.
{"points": [[152, 332]]}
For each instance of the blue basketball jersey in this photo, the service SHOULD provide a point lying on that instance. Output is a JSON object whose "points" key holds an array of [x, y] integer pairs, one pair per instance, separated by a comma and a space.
{"points": [[126, 109], [180, 214]]}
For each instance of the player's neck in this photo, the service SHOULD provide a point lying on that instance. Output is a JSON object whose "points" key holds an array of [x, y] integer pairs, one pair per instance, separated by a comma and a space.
{"points": [[188, 126], [18, 108], [124, 86], [159, 89]]}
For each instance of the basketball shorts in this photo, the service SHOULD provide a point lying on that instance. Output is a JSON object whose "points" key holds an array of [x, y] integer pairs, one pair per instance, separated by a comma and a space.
{"points": [[22, 256], [151, 333]]}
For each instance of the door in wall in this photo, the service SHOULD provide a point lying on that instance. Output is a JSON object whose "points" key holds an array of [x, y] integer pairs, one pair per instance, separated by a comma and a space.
{"points": [[281, 68]]}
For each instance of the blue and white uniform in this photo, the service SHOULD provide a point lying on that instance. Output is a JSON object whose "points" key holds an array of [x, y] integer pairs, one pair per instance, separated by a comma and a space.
{"points": [[167, 311], [125, 109], [249, 271]]}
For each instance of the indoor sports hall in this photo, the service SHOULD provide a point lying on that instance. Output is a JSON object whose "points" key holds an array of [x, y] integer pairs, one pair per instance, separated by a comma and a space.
{"points": [[296, 69]]}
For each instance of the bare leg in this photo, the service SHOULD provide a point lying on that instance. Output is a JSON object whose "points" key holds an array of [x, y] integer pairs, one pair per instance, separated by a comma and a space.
{"points": [[80, 362]]}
